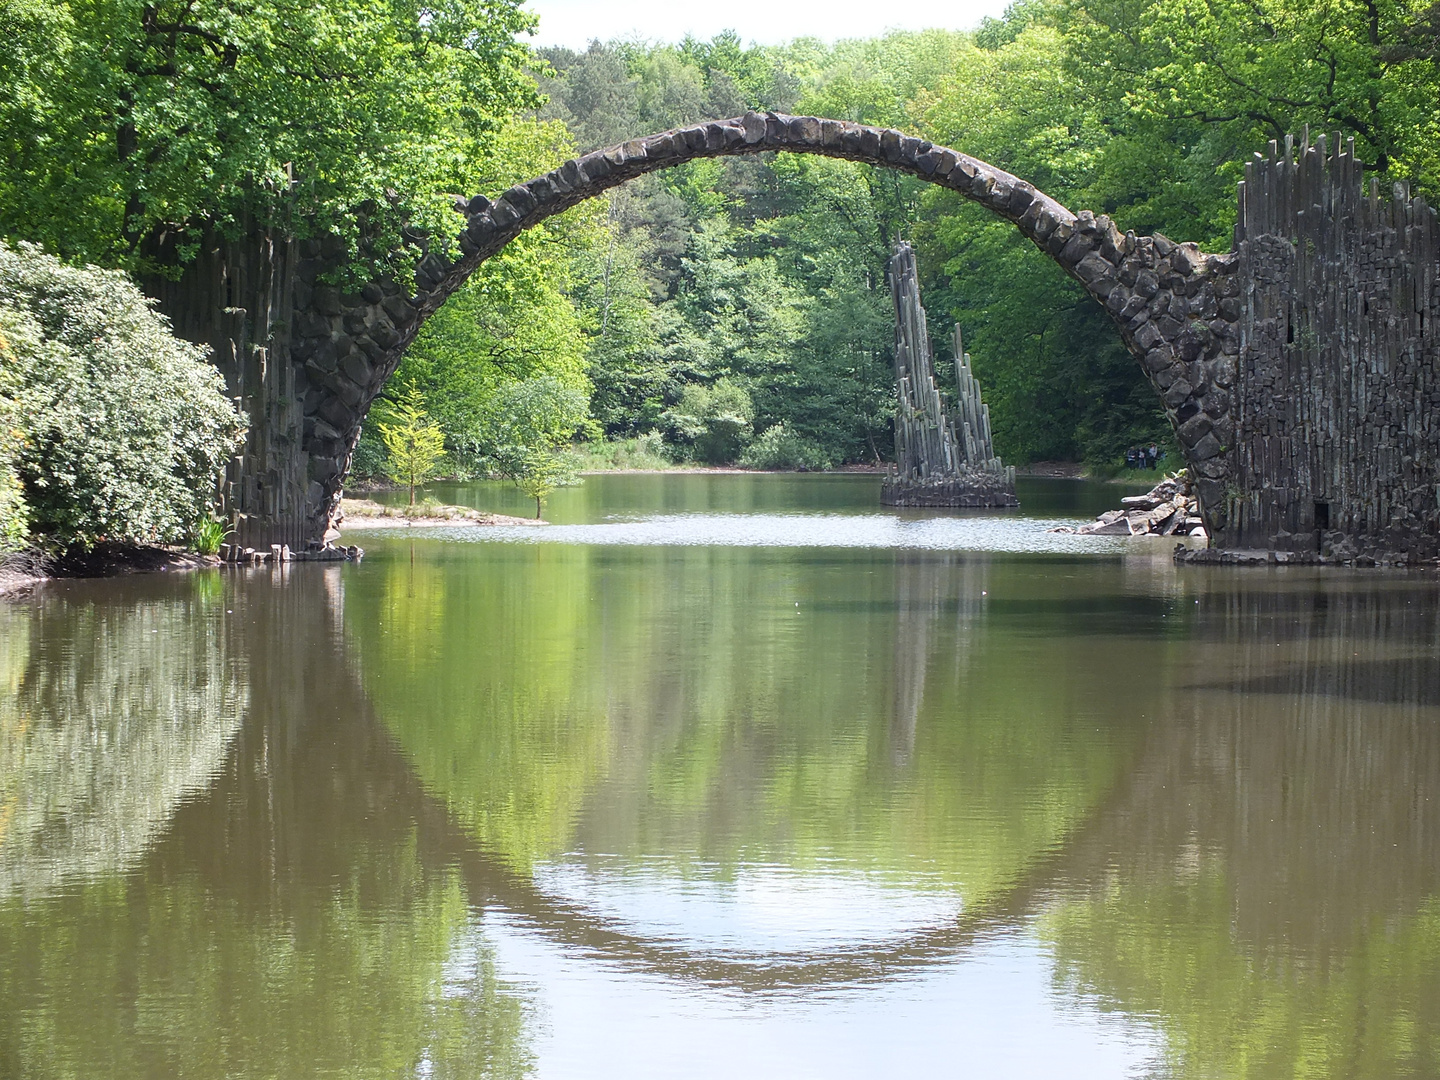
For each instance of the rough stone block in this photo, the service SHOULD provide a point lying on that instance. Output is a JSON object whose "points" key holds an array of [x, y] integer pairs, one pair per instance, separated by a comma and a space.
{"points": [[1179, 391], [358, 369], [1194, 429], [594, 166], [327, 300], [1076, 248], [662, 147], [805, 130], [504, 213], [1206, 448], [1021, 196], [1169, 327], [400, 310], [1146, 335], [1090, 268], [521, 198]]}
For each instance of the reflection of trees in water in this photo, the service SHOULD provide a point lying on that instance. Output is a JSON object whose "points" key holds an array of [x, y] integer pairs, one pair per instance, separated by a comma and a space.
{"points": [[113, 713], [287, 922], [1260, 878], [1271, 876], [715, 707]]}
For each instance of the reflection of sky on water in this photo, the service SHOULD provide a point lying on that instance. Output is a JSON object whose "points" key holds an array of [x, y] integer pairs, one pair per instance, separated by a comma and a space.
{"points": [[997, 533], [991, 1013], [756, 910]]}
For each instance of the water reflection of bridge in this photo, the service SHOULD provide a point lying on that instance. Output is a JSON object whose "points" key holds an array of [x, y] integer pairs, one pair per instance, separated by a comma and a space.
{"points": [[1296, 767]]}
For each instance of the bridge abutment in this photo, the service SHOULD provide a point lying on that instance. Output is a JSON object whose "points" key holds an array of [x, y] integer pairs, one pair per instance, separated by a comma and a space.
{"points": [[1337, 450]]}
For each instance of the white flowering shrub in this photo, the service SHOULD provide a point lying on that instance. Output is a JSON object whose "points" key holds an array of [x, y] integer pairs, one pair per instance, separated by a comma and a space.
{"points": [[122, 429], [14, 517]]}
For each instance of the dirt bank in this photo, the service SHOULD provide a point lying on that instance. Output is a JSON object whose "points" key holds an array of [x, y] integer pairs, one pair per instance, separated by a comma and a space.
{"points": [[366, 514]]}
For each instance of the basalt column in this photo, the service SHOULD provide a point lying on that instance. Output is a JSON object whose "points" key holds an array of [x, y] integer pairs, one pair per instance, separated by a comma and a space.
{"points": [[943, 457], [237, 296], [1336, 453]]}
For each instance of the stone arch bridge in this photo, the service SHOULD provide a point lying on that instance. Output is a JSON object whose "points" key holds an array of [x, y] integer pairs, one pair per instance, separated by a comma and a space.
{"points": [[1298, 369]]}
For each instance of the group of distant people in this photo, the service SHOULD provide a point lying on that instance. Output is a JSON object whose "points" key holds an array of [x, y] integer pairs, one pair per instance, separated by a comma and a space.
{"points": [[1144, 457]]}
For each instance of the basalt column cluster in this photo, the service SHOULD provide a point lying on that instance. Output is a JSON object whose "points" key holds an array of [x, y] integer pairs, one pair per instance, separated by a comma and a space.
{"points": [[1336, 451], [943, 457]]}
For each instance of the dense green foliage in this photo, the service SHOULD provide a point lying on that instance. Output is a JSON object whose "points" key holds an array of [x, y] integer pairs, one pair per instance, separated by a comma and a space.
{"points": [[14, 515], [121, 428], [130, 127], [770, 272], [130, 131]]}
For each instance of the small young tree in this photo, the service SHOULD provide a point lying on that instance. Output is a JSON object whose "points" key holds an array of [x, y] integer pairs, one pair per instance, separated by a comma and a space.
{"points": [[524, 431], [544, 471], [414, 442]]}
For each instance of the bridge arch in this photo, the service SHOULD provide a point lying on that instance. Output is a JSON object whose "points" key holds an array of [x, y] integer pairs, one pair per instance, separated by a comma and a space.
{"points": [[1174, 306]]}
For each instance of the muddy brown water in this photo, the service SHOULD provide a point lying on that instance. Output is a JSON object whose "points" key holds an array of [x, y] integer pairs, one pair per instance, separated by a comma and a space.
{"points": [[718, 776]]}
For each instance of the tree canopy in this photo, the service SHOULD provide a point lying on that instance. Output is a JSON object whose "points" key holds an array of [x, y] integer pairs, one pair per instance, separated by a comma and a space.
{"points": [[127, 122], [130, 126]]}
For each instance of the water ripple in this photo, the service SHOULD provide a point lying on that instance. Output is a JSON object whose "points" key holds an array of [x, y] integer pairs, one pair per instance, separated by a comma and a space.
{"points": [[1007, 533]]}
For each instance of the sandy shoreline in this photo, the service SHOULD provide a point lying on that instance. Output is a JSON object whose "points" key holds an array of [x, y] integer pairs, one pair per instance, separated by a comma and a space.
{"points": [[363, 514]]}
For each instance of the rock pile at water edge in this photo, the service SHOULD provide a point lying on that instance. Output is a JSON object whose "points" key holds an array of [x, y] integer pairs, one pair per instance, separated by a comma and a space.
{"points": [[1167, 509]]}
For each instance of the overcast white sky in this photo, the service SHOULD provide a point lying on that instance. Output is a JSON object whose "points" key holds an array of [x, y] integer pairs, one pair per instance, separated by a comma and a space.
{"points": [[574, 22]]}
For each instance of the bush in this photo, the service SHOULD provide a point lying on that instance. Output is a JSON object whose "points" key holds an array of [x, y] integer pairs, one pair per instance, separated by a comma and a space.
{"points": [[123, 428], [14, 516], [780, 448], [714, 421], [206, 535]]}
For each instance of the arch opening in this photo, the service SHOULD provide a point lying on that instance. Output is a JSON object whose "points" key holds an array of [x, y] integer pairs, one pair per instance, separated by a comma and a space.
{"points": [[1165, 299]]}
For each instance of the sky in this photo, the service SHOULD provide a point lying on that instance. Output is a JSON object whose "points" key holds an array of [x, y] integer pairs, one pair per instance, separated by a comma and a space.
{"points": [[575, 22]]}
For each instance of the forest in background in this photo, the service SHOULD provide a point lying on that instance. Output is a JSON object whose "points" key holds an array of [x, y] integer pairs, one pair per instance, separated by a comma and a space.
{"points": [[725, 310], [743, 301]]}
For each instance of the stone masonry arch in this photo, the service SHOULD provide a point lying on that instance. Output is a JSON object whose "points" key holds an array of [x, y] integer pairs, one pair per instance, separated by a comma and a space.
{"points": [[1176, 309]]}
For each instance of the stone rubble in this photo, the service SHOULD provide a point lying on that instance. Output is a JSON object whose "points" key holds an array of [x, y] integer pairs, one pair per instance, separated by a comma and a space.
{"points": [[237, 555], [1170, 508]]}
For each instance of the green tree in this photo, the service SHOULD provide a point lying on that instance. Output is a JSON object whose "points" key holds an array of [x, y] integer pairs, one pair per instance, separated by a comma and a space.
{"points": [[715, 421], [413, 441], [124, 429], [541, 471], [129, 127], [524, 431]]}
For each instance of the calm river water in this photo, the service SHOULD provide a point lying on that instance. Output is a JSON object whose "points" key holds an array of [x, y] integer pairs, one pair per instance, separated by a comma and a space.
{"points": [[724, 776]]}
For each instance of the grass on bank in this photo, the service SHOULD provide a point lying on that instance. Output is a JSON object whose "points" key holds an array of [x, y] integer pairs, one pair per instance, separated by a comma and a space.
{"points": [[647, 452]]}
